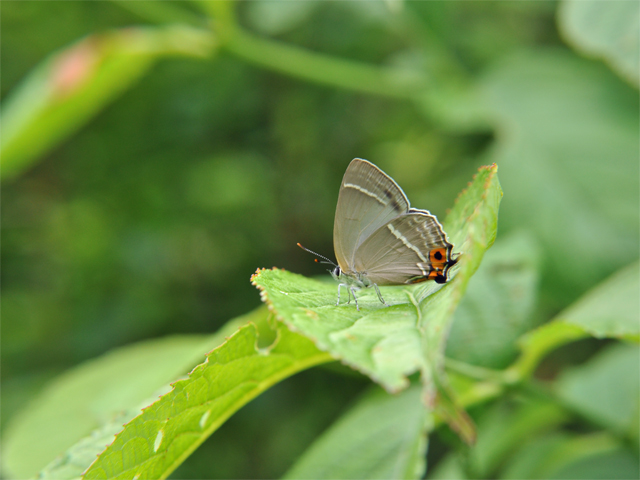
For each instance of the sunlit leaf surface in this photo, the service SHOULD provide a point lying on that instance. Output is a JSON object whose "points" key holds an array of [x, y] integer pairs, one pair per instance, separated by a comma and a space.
{"points": [[156, 442], [84, 408]]}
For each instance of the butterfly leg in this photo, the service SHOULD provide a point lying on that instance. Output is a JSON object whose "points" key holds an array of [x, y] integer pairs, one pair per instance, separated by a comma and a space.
{"points": [[353, 291], [380, 295], [347, 287]]}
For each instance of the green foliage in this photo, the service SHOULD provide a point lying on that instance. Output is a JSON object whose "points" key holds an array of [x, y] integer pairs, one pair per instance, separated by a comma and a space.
{"points": [[389, 343], [383, 343], [382, 436], [498, 305], [606, 389], [559, 115], [156, 442], [610, 309], [609, 31], [72, 86], [81, 410], [594, 314], [155, 153]]}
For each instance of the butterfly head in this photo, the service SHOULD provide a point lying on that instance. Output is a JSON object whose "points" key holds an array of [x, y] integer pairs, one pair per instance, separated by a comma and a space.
{"points": [[336, 272]]}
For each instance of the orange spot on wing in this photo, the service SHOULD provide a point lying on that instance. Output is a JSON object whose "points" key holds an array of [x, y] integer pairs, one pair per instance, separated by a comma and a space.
{"points": [[433, 274], [438, 257]]}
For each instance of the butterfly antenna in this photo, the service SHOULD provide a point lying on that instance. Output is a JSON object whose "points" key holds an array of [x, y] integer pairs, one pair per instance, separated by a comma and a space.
{"points": [[318, 255]]}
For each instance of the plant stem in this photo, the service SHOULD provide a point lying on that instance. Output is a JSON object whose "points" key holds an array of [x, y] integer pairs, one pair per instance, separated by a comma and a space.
{"points": [[324, 69]]}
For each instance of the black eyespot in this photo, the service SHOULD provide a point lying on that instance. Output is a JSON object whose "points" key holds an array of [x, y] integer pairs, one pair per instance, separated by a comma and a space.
{"points": [[437, 256], [440, 279]]}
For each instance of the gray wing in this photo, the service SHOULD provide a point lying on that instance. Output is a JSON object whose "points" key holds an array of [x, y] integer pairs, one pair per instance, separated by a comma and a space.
{"points": [[406, 250], [368, 199]]}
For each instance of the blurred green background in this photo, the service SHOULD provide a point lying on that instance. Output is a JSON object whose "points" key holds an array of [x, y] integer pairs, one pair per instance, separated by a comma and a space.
{"points": [[216, 152]]}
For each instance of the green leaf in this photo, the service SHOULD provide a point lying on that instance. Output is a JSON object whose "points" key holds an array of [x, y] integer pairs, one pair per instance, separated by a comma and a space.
{"points": [[502, 430], [449, 468], [567, 146], [473, 223], [68, 89], [382, 342], [606, 389], [619, 464], [610, 310], [607, 30], [382, 436], [163, 436], [505, 427], [562, 455], [385, 342], [534, 457], [93, 399], [497, 307], [388, 343], [276, 18]]}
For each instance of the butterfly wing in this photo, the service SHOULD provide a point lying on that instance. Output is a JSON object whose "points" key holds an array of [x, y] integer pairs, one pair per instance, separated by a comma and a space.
{"points": [[368, 199], [408, 249]]}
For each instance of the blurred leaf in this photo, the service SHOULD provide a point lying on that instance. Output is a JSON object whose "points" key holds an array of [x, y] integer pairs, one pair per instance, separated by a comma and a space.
{"points": [[611, 309], [502, 430], [277, 17], [382, 436], [617, 464], [607, 30], [83, 453], [505, 427], [84, 398], [606, 389], [449, 468], [568, 153], [96, 393], [68, 89], [457, 106], [531, 460], [498, 304], [164, 435], [385, 342], [556, 454]]}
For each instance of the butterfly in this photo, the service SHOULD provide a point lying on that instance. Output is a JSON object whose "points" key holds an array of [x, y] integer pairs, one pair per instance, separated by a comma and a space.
{"points": [[380, 240]]}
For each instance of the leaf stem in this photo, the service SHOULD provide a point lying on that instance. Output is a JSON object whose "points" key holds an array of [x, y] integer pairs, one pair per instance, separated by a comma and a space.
{"points": [[475, 372], [311, 66], [324, 69]]}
